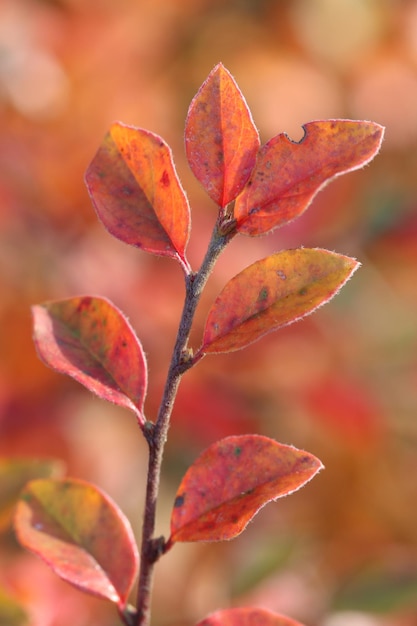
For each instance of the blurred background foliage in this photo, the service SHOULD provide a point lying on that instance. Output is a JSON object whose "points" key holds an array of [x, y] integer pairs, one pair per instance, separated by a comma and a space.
{"points": [[342, 384]]}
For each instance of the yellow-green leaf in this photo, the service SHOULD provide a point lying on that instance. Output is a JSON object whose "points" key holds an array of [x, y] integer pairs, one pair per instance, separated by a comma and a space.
{"points": [[14, 474], [81, 534], [11, 612]]}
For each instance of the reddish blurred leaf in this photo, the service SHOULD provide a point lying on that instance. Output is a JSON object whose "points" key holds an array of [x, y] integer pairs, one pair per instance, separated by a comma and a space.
{"points": [[347, 410], [14, 474], [11, 612], [221, 140], [81, 534], [231, 481], [89, 339], [272, 293], [137, 193], [247, 616], [288, 174], [208, 409]]}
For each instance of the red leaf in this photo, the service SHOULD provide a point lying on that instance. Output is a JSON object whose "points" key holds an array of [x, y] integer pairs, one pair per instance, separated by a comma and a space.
{"points": [[272, 293], [137, 193], [288, 174], [231, 481], [347, 410], [247, 616], [81, 534], [89, 339], [221, 140]]}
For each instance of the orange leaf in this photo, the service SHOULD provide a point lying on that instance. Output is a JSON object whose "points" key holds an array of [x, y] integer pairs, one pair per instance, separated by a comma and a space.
{"points": [[81, 534], [89, 339], [288, 174], [247, 616], [221, 140], [231, 481], [272, 293], [137, 193]]}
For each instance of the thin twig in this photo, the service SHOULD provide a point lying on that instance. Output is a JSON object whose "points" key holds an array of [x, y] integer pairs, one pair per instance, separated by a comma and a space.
{"points": [[151, 548]]}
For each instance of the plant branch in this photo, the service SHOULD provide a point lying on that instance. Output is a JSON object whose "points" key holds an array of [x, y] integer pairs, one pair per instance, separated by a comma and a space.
{"points": [[151, 548]]}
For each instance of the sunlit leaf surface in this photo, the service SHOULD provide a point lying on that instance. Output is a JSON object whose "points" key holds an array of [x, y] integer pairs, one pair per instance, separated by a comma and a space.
{"points": [[272, 293], [137, 193], [231, 481], [221, 140], [81, 534]]}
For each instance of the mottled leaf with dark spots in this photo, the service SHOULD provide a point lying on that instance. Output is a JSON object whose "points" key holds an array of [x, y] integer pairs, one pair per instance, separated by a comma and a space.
{"points": [[272, 293], [231, 481]]}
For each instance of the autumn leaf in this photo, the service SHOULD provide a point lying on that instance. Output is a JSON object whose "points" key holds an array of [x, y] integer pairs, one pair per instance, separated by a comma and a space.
{"points": [[272, 293], [137, 194], [81, 534], [221, 140], [231, 481], [89, 339], [14, 474], [247, 616], [288, 174]]}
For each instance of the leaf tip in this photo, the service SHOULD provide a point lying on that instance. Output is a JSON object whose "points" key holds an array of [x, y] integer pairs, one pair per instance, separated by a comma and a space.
{"points": [[352, 265]]}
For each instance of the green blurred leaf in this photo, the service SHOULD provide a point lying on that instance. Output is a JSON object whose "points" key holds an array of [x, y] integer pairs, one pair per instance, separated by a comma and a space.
{"points": [[379, 592], [11, 612], [14, 474]]}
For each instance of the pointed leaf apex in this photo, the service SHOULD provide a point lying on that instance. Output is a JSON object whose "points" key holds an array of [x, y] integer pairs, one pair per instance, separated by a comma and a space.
{"points": [[221, 139], [89, 339], [231, 481], [137, 194], [272, 293]]}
